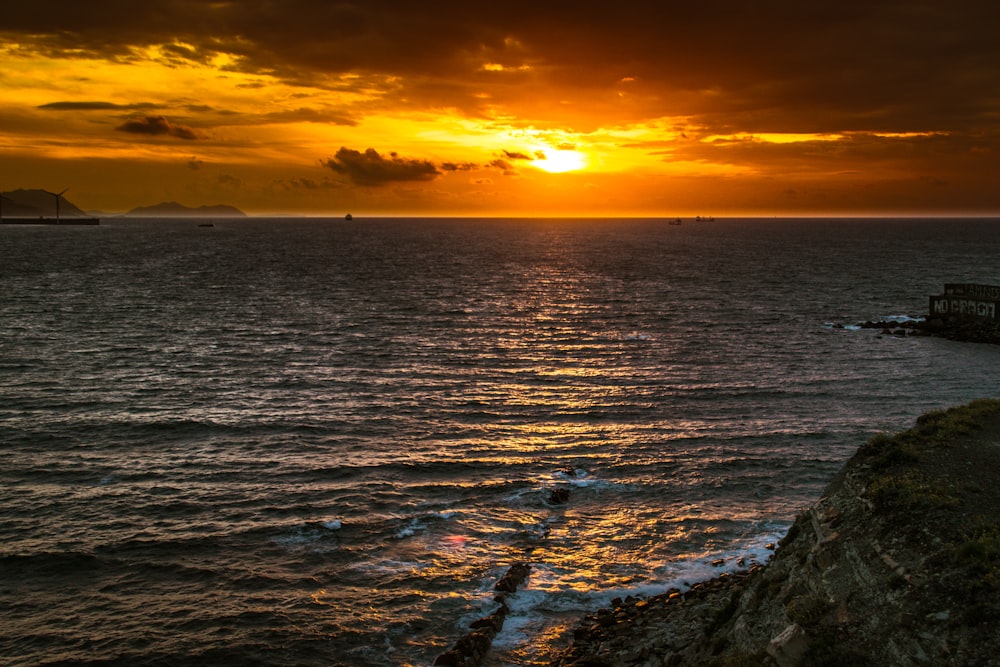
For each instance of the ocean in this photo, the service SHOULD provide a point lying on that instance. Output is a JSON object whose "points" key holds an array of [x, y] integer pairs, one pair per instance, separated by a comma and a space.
{"points": [[319, 442]]}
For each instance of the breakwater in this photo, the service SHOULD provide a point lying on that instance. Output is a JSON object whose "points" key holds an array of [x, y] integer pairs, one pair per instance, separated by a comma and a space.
{"points": [[50, 221]]}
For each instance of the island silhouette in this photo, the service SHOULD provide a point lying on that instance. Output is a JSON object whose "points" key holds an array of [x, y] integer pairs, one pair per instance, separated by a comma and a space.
{"points": [[37, 204], [174, 210]]}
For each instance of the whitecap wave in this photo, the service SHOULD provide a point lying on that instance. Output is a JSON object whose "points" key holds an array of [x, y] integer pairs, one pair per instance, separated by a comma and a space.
{"points": [[551, 593], [900, 319], [423, 523], [842, 327]]}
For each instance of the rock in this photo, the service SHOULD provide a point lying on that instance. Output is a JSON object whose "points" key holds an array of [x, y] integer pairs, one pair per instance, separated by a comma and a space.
{"points": [[790, 646], [492, 622], [472, 648], [517, 573], [558, 496], [451, 658]]}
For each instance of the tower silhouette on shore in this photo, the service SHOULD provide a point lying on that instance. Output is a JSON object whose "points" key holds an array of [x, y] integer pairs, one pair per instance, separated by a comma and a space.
{"points": [[58, 196]]}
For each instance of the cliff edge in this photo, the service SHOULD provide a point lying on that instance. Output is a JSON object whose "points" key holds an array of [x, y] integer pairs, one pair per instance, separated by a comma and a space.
{"points": [[897, 563]]}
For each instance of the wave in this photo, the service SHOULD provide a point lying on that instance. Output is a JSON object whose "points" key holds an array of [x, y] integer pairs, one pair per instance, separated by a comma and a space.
{"points": [[551, 594], [422, 523], [363, 440]]}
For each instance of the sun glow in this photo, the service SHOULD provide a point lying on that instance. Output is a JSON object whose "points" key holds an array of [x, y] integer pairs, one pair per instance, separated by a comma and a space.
{"points": [[559, 161]]}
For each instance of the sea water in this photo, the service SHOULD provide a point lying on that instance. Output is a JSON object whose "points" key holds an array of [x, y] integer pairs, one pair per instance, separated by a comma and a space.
{"points": [[318, 442]]}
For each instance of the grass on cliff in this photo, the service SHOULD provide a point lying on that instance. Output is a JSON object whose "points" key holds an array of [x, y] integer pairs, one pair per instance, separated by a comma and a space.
{"points": [[934, 429], [898, 484], [981, 554], [939, 477], [911, 490]]}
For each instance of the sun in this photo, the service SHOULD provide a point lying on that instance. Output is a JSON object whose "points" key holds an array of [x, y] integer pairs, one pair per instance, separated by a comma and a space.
{"points": [[559, 161]]}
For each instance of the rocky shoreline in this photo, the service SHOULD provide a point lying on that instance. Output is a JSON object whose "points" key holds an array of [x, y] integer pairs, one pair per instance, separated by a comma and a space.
{"points": [[968, 331], [898, 563]]}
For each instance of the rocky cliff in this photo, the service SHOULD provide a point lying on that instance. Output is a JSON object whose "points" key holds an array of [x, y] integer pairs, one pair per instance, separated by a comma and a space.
{"points": [[898, 563]]}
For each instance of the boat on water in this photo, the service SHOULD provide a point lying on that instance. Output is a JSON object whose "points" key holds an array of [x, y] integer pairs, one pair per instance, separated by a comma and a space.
{"points": [[348, 217], [705, 218], [676, 221]]}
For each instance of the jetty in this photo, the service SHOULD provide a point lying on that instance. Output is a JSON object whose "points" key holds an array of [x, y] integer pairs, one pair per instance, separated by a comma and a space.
{"points": [[50, 221]]}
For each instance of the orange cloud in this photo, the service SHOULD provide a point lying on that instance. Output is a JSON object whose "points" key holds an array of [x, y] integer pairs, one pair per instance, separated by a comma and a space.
{"points": [[652, 105]]}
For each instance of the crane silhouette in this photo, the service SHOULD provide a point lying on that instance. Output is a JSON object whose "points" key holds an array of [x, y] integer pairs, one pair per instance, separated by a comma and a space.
{"points": [[58, 196]]}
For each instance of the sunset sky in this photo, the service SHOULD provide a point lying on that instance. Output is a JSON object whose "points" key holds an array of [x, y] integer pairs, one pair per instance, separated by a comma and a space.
{"points": [[513, 108]]}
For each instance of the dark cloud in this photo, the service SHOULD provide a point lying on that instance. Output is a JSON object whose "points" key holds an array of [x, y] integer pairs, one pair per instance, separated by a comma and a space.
{"points": [[503, 165], [302, 183], [95, 106], [373, 169], [305, 184], [156, 125], [180, 53], [459, 166], [514, 155], [307, 115]]}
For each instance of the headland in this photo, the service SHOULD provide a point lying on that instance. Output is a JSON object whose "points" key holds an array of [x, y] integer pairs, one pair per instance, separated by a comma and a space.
{"points": [[963, 311], [897, 563]]}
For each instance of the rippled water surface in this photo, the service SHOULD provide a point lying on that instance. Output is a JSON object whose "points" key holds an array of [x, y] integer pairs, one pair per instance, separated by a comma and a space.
{"points": [[292, 442]]}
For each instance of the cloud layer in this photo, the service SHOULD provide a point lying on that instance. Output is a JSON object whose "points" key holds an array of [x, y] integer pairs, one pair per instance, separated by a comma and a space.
{"points": [[858, 104], [774, 64]]}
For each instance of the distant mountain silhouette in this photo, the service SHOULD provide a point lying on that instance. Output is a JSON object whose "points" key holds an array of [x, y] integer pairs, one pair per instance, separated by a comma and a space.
{"points": [[37, 204], [172, 209]]}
